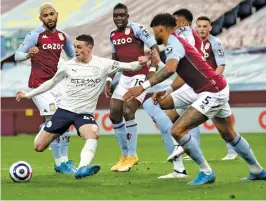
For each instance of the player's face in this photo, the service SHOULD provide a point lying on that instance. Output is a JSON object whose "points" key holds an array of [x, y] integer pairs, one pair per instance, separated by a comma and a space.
{"points": [[120, 17], [203, 28], [180, 21], [82, 50], [49, 18], [158, 30]]}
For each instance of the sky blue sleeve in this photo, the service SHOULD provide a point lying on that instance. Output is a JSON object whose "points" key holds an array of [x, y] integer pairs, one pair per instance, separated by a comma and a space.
{"points": [[142, 34], [174, 49], [69, 48], [30, 40], [112, 45]]}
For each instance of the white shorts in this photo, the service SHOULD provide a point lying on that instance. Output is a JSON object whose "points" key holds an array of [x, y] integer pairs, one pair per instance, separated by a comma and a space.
{"points": [[213, 104], [48, 101], [125, 83], [183, 98]]}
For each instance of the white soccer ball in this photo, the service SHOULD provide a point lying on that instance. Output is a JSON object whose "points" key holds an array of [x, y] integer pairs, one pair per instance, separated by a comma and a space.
{"points": [[20, 171]]}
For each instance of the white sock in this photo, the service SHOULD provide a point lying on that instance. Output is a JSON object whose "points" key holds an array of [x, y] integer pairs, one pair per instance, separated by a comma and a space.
{"points": [[58, 161], [204, 167], [178, 164], [88, 152], [64, 158], [255, 168]]}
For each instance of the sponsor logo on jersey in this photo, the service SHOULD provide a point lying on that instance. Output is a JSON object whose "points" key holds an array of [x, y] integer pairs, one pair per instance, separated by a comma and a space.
{"points": [[53, 46], [127, 31], [115, 66], [220, 53], [122, 41], [61, 36], [86, 82], [144, 31]]}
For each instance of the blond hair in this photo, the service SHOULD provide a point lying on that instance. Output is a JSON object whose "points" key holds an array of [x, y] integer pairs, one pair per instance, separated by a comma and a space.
{"points": [[46, 5]]}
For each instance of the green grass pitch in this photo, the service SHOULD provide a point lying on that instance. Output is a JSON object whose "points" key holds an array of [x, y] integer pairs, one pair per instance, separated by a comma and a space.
{"points": [[140, 183]]}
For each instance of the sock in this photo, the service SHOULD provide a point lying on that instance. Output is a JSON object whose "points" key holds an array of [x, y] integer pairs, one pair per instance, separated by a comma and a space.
{"points": [[162, 121], [191, 147], [195, 133], [230, 149], [55, 146], [120, 133], [242, 147], [132, 136], [64, 140], [88, 152]]}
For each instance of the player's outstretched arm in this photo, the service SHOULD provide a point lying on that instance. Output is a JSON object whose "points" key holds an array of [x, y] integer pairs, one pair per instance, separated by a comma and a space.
{"points": [[60, 75]]}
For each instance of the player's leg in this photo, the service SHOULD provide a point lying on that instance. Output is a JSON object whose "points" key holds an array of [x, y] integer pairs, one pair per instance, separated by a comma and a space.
{"points": [[46, 105], [129, 110], [191, 119], [60, 123], [89, 131], [164, 123], [224, 124], [116, 116]]}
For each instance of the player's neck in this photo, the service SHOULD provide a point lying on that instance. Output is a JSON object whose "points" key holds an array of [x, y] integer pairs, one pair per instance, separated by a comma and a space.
{"points": [[205, 38], [50, 30], [85, 61]]}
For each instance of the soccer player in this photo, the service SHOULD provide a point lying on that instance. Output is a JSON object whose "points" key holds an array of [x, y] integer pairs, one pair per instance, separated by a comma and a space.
{"points": [[184, 20], [127, 42], [43, 47], [85, 77], [211, 102], [214, 55]]}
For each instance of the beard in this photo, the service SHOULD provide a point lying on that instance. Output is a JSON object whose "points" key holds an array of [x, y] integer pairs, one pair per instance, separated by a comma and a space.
{"points": [[159, 41], [51, 27]]}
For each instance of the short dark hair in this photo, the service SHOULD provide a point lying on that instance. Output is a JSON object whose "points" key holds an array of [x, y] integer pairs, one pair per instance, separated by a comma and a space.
{"points": [[184, 13], [86, 38], [204, 18], [120, 6], [164, 19]]}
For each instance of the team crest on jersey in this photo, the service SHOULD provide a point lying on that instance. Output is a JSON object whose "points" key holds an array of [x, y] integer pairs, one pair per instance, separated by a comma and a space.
{"points": [[95, 70], [127, 31], [207, 46], [61, 36]]}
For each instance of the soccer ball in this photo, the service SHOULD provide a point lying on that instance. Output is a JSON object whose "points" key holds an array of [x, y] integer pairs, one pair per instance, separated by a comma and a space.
{"points": [[20, 171]]}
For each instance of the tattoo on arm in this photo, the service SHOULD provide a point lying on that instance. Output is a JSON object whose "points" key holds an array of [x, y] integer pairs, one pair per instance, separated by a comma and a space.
{"points": [[160, 76]]}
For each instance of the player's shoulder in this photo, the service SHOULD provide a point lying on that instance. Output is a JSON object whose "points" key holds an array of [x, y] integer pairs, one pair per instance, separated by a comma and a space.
{"points": [[62, 32], [214, 40], [36, 32], [181, 30], [112, 32]]}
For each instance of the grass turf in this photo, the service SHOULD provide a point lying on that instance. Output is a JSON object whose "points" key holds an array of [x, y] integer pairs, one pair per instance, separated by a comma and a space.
{"points": [[140, 183]]}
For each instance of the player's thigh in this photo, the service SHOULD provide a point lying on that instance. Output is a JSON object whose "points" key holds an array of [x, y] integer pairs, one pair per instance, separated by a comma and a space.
{"points": [[166, 103], [183, 97], [224, 123], [86, 126], [172, 114], [60, 122], [189, 120], [46, 103], [43, 139]]}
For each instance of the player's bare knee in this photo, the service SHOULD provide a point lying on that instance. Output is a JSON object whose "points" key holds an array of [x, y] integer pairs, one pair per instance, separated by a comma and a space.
{"points": [[128, 114], [39, 147], [89, 131], [115, 117]]}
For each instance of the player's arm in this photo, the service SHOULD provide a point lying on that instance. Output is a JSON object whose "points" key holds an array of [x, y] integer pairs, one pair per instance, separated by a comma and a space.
{"points": [[28, 48], [60, 75], [174, 52], [218, 52], [116, 66], [69, 48]]}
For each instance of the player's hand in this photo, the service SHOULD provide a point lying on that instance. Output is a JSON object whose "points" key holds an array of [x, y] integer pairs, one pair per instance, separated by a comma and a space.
{"points": [[143, 60], [133, 93], [155, 55], [33, 50], [107, 89], [156, 97], [20, 95]]}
